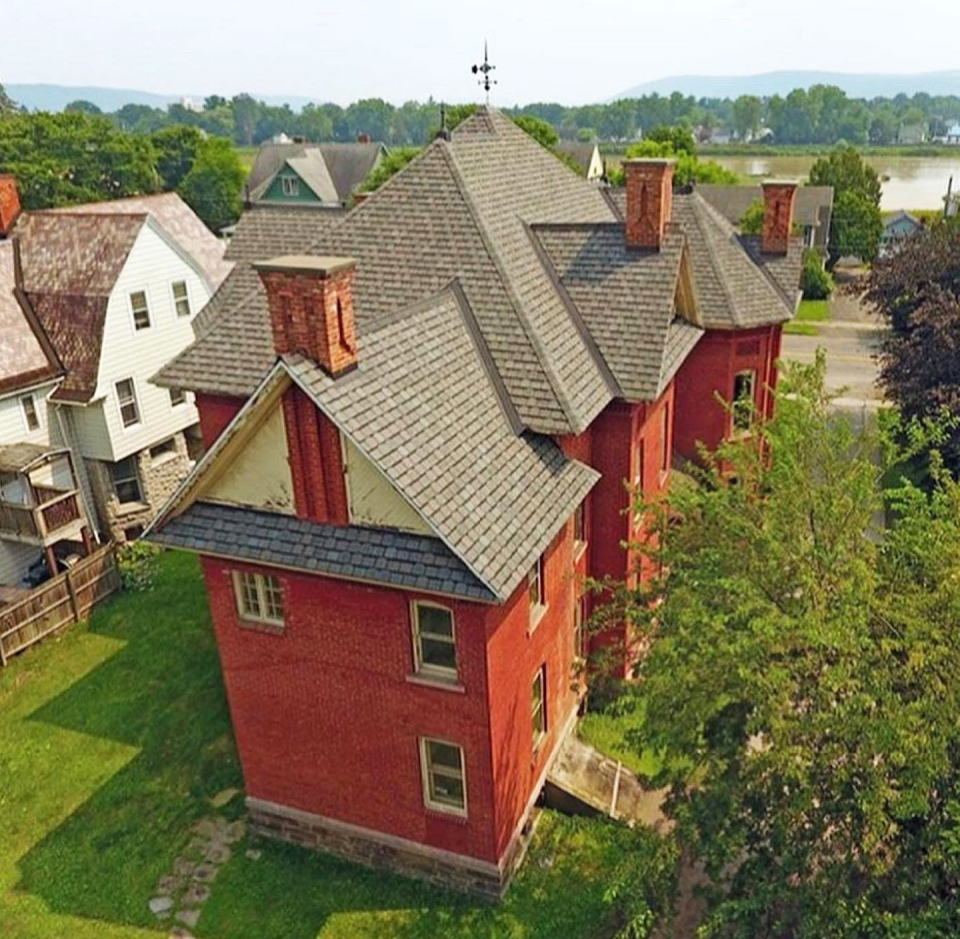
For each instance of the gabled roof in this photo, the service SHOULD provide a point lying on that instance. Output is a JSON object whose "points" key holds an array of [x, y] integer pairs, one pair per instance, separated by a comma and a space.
{"points": [[732, 201], [331, 170], [737, 286], [426, 406], [582, 153], [626, 298], [26, 356], [177, 220]]}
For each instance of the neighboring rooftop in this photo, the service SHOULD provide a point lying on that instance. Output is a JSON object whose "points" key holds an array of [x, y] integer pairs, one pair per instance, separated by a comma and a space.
{"points": [[813, 207]]}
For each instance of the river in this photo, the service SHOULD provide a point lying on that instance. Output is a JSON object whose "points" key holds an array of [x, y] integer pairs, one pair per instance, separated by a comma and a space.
{"points": [[914, 182]]}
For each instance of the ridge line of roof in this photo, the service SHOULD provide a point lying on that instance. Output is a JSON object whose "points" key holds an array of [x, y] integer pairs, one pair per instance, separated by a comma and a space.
{"points": [[510, 411], [507, 283], [612, 384], [720, 270]]}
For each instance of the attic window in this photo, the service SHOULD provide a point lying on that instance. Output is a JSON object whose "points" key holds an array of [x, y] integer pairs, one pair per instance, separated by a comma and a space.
{"points": [[141, 312], [290, 185]]}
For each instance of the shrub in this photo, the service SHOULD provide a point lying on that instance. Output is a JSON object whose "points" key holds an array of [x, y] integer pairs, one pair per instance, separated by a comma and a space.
{"points": [[815, 280], [137, 562]]}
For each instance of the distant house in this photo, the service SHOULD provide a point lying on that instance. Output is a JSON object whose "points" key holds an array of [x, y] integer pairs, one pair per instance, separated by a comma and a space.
{"points": [[585, 155], [813, 212], [953, 134], [911, 134], [897, 229], [114, 287], [324, 174]]}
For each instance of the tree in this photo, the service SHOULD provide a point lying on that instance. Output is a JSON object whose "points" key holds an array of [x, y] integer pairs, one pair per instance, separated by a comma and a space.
{"points": [[800, 686], [747, 111], [212, 102], [213, 185], [80, 106], [7, 104], [857, 225], [688, 168], [679, 139], [917, 291], [388, 166], [65, 159], [140, 118], [177, 148]]}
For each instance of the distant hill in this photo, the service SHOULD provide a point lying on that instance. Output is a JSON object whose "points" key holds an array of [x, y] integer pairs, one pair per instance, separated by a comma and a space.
{"points": [[57, 97], [856, 85]]}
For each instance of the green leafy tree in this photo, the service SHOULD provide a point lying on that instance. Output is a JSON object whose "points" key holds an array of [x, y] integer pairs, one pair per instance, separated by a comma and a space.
{"points": [[541, 131], [177, 148], [140, 118], [800, 687], [916, 289], [688, 168], [80, 106], [679, 139], [65, 159], [212, 102], [7, 104], [391, 164], [212, 187], [747, 111], [815, 280], [857, 225]]}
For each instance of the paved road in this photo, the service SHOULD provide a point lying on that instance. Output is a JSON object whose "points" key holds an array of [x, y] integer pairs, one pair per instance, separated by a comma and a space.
{"points": [[850, 362]]}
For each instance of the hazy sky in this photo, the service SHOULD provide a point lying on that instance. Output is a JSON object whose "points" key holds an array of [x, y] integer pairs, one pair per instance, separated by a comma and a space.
{"points": [[572, 51]]}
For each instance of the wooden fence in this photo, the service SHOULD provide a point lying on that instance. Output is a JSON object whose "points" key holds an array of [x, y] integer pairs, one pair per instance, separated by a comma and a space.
{"points": [[61, 601]]}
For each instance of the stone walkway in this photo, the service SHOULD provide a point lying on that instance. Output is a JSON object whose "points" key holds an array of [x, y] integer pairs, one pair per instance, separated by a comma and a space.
{"points": [[181, 894]]}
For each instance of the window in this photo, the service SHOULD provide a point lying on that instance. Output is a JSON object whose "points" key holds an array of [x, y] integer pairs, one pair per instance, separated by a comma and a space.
{"points": [[743, 391], [141, 312], [259, 598], [30, 414], [181, 299], [290, 185], [177, 396], [538, 706], [434, 643], [444, 778], [580, 526], [164, 449], [127, 397], [126, 480], [535, 589], [665, 438], [638, 471], [579, 632]]}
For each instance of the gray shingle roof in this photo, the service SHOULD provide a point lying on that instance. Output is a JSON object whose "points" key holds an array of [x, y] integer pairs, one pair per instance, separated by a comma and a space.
{"points": [[625, 297], [375, 555], [425, 406]]}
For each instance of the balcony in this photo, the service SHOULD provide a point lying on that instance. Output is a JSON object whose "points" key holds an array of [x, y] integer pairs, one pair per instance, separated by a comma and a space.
{"points": [[39, 498]]}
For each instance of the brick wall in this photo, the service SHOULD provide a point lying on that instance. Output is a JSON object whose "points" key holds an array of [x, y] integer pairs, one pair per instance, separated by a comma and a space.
{"points": [[216, 411], [710, 370]]}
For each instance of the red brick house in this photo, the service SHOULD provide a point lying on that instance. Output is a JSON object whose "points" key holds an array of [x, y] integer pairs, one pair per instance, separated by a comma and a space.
{"points": [[420, 417]]}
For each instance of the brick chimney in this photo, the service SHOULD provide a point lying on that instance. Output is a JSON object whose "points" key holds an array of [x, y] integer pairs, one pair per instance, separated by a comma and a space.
{"points": [[311, 308], [779, 198], [9, 204], [649, 201]]}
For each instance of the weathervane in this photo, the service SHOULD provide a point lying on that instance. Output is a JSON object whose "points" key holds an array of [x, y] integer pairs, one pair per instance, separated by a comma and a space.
{"points": [[487, 82]]}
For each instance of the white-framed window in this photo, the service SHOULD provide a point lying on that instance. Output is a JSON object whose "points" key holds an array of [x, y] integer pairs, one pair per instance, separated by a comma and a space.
{"points": [[126, 480], [535, 590], [744, 390], [181, 297], [434, 640], [30, 414], [444, 776], [259, 598], [538, 706], [127, 399], [177, 397], [140, 309], [290, 185]]}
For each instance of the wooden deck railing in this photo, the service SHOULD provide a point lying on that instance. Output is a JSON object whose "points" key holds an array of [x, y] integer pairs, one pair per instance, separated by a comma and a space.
{"points": [[41, 522], [60, 602]]}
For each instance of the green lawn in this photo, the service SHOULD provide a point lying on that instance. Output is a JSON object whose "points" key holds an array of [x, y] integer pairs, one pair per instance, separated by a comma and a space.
{"points": [[809, 313], [616, 731], [112, 740]]}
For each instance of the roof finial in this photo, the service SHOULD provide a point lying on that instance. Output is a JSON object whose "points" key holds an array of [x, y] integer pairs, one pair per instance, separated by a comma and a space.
{"points": [[487, 82], [443, 133]]}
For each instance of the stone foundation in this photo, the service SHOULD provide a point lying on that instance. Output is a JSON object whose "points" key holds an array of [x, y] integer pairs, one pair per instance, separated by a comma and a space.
{"points": [[158, 480], [387, 852]]}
